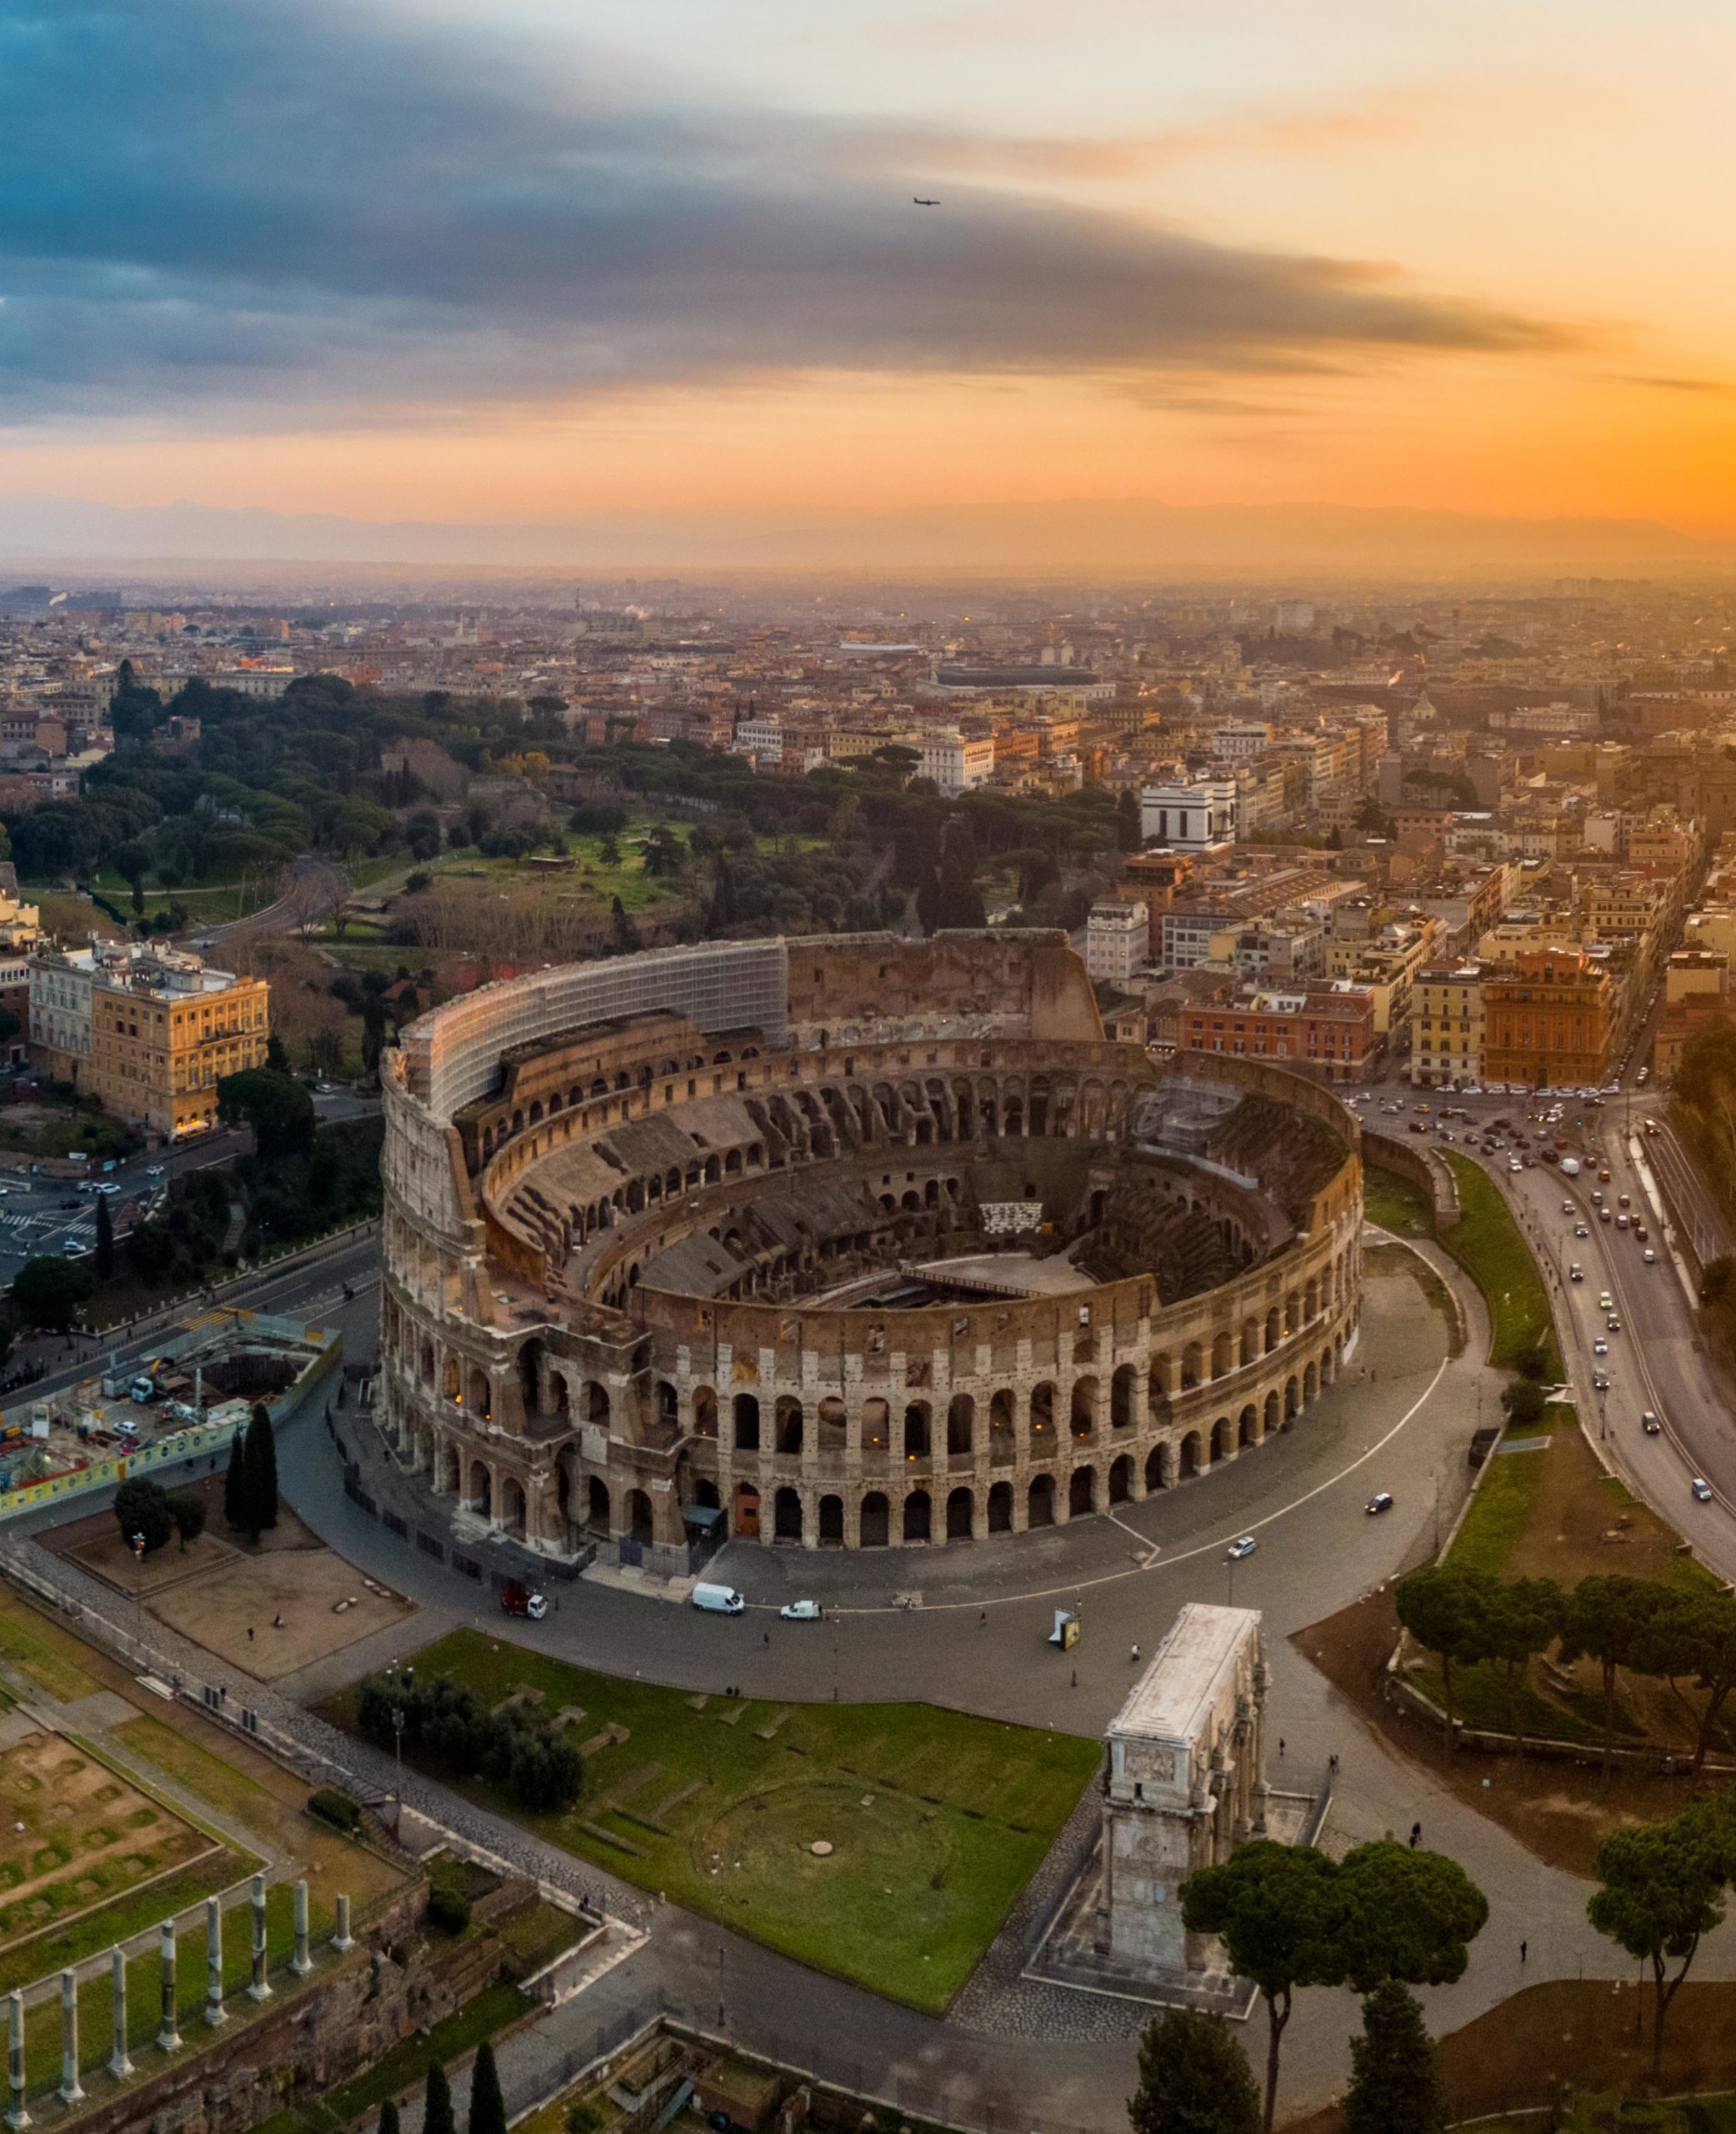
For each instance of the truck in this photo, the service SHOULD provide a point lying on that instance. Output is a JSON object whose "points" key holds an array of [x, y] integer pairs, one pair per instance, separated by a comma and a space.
{"points": [[517, 1599], [1570, 1166]]}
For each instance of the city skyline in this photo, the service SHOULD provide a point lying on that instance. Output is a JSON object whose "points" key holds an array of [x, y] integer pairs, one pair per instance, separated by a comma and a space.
{"points": [[427, 262]]}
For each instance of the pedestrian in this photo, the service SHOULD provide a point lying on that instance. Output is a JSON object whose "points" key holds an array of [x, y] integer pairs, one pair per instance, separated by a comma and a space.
{"points": [[768, 1637], [250, 1633], [983, 1621], [1280, 1745], [1416, 1832], [1522, 1952], [1134, 1655], [1076, 1678]]}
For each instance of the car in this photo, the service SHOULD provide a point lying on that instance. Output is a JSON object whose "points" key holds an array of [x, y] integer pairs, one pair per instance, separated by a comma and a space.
{"points": [[1700, 1489], [1580, 1230], [1567, 1207], [1612, 1324], [1648, 1258], [1622, 1200], [155, 1171], [1576, 1273], [1514, 1164], [1621, 1222], [1650, 1425], [1600, 1347], [1604, 1178], [1600, 1381], [1597, 1198], [1602, 1214], [1605, 1301], [800, 1611], [1382, 1500], [1643, 1077], [1243, 1546]]}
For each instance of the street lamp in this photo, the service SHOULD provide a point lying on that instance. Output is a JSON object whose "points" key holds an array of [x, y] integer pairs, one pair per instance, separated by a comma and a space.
{"points": [[136, 1543]]}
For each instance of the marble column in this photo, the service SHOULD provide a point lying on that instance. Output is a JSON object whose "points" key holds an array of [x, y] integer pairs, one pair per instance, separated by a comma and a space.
{"points": [[301, 1963], [17, 2118], [259, 1990], [71, 2089], [120, 2066], [215, 2013], [341, 1939], [169, 2035]]}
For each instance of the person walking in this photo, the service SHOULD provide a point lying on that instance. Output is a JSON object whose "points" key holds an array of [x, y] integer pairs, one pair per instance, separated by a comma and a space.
{"points": [[1134, 1655], [1522, 1952], [1416, 1832]]}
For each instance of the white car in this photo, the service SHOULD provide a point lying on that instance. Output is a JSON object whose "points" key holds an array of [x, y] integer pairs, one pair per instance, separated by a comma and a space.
{"points": [[1648, 1258], [1514, 1164], [800, 1611], [1600, 1348], [1243, 1547]]}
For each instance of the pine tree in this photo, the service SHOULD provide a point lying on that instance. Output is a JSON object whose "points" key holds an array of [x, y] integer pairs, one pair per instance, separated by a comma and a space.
{"points": [[488, 2108], [1193, 2078], [235, 1485], [437, 2115], [1394, 2087], [388, 2118], [105, 1242], [259, 1463]]}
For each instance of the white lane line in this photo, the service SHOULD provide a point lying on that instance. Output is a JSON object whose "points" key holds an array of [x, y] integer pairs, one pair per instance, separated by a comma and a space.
{"points": [[1186, 1555]]}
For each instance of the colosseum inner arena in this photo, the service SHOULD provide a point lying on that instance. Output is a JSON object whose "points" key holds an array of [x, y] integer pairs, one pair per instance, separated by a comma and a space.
{"points": [[851, 1242]]}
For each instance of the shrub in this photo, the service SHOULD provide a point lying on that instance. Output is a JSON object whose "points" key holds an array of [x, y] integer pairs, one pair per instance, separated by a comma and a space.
{"points": [[449, 1910], [1524, 1401], [335, 1808]]}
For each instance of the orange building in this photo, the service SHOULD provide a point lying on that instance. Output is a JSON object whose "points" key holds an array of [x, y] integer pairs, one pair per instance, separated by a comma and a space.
{"points": [[1546, 1020], [1329, 1031]]}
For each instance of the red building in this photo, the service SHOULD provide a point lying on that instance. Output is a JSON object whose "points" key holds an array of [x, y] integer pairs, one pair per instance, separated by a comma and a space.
{"points": [[1328, 1032]]}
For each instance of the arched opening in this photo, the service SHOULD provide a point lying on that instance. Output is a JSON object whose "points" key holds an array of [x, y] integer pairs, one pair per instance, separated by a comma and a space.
{"points": [[876, 1521], [1043, 1411], [747, 1422], [961, 1423], [876, 1425], [1082, 1417], [1123, 1392], [1041, 1501], [1246, 1426], [832, 1521], [1121, 1479], [597, 1404], [1274, 1331], [705, 1412], [916, 1431], [1220, 1440], [597, 1505], [669, 1405], [530, 1377], [1157, 1468], [1000, 1508], [481, 1402], [1293, 1400], [512, 1505], [1273, 1414], [481, 1489], [917, 1513], [1222, 1356], [449, 1379], [638, 1517], [834, 1423], [1082, 1492], [1190, 1455], [961, 1516], [785, 1516], [1310, 1385], [789, 1424]]}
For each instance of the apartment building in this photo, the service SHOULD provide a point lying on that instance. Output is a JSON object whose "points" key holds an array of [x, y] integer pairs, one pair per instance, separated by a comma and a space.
{"points": [[1117, 940], [1189, 818], [1328, 1030], [1446, 1026], [957, 763], [1547, 1020], [147, 1031]]}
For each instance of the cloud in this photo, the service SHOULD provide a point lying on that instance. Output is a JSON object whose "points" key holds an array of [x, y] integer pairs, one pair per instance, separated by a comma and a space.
{"points": [[303, 213], [1715, 385]]}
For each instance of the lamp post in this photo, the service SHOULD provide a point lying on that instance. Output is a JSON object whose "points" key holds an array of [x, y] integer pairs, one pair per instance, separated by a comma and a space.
{"points": [[136, 1541]]}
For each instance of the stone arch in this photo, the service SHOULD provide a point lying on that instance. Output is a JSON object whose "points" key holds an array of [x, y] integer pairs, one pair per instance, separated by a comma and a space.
{"points": [[597, 1404], [1040, 1501], [1000, 1411], [705, 1411], [481, 1496], [1293, 1400], [1223, 1358], [1123, 1397], [1193, 1366], [1271, 1414], [1082, 1414], [1121, 1479], [916, 1431], [1159, 1463], [1043, 1411], [876, 1518], [834, 1422], [1191, 1450], [597, 1505], [961, 1515], [831, 1528], [1310, 1385], [482, 1398], [918, 1515], [1247, 1426], [1000, 1508], [961, 1425], [1082, 1492], [786, 1424], [1222, 1440], [747, 1422], [640, 1527], [876, 1425], [1274, 1329], [511, 1504], [787, 1515]]}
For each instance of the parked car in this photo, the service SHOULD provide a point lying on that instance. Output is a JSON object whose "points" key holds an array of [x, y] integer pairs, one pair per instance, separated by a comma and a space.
{"points": [[518, 1600], [800, 1611]]}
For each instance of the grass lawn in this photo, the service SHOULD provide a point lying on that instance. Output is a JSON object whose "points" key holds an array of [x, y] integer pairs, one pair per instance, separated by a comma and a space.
{"points": [[43, 1652], [1396, 1204], [936, 1820], [1487, 1243]]}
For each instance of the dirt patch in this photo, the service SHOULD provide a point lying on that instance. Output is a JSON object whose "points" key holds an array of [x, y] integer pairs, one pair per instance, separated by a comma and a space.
{"points": [[1556, 1810], [1578, 2035], [279, 1611], [95, 1531], [107, 1556], [1583, 1522]]}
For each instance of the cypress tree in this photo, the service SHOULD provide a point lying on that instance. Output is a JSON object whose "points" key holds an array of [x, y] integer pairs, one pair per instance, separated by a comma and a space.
{"points": [[260, 1463], [1193, 2078], [1394, 2088], [488, 2108], [105, 1242], [437, 2116], [235, 1485], [388, 2117]]}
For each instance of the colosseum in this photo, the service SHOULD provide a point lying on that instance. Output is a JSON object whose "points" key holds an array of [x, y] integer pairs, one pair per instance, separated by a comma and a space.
{"points": [[847, 1242]]}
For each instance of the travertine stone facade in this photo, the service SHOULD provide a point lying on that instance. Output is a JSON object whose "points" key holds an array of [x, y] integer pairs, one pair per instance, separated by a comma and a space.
{"points": [[1185, 1786], [618, 1270]]}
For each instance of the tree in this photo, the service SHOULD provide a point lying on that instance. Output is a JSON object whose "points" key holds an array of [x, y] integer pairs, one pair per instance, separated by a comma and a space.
{"points": [[259, 1465], [105, 1241], [1128, 832], [488, 2108], [1692, 1634], [276, 1106], [1524, 1621], [1447, 1611], [627, 934], [1606, 1619], [1193, 2078], [1525, 1400], [437, 2112], [422, 833], [1271, 1905], [388, 2118], [131, 862], [235, 1485], [1662, 1888], [1404, 1915], [188, 1513], [141, 1508], [50, 1292], [1394, 2086], [276, 1057]]}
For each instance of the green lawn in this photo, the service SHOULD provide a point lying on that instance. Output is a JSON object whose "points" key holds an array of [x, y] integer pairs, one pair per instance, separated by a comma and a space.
{"points": [[1487, 1243], [1396, 1204], [936, 1820]]}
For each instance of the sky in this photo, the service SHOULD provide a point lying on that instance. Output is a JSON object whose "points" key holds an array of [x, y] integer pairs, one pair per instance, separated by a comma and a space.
{"points": [[519, 260]]}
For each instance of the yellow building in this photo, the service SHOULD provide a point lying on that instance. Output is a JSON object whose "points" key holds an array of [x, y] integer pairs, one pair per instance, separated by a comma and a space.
{"points": [[1447, 1027], [148, 1031]]}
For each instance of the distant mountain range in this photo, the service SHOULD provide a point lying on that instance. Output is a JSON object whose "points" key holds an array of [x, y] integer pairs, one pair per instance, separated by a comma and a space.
{"points": [[1113, 539]]}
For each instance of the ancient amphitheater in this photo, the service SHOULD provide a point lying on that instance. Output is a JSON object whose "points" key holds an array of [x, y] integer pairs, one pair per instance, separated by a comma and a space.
{"points": [[849, 1241]]}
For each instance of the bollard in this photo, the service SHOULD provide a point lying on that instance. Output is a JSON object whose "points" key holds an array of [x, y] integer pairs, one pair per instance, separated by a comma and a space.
{"points": [[168, 2037], [71, 2090], [341, 1937], [17, 2118], [259, 1990], [301, 1963], [214, 2011], [120, 2066]]}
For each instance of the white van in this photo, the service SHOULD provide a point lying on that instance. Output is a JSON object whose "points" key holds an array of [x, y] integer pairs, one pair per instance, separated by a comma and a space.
{"points": [[718, 1600]]}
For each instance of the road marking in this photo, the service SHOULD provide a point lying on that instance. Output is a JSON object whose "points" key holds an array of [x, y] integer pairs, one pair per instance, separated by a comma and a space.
{"points": [[1138, 1571]]}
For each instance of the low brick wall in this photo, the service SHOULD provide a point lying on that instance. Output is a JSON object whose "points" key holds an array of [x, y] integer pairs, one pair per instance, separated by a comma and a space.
{"points": [[1417, 1161]]}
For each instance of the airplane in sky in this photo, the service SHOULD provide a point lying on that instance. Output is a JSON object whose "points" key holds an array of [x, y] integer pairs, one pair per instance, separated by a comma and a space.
{"points": [[919, 201]]}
